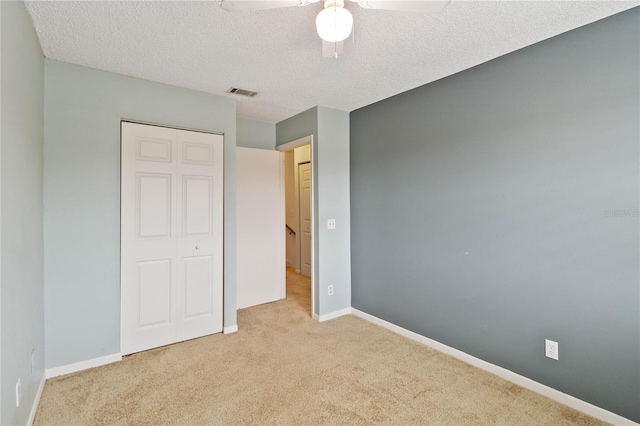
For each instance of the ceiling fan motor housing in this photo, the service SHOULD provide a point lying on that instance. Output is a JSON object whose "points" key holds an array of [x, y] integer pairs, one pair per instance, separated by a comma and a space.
{"points": [[333, 3]]}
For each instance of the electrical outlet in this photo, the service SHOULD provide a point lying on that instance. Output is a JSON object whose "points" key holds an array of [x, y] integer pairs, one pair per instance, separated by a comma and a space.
{"points": [[551, 349], [330, 290], [331, 224], [18, 393]]}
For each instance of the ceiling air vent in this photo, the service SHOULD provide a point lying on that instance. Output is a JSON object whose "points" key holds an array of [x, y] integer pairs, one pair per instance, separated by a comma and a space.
{"points": [[242, 92]]}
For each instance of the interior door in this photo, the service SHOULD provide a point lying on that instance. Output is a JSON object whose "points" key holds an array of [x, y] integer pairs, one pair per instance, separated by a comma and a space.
{"points": [[304, 182], [171, 236], [148, 221], [259, 226], [199, 245]]}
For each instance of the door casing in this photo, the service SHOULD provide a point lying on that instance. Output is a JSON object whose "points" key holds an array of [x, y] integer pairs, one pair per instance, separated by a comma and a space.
{"points": [[308, 140]]}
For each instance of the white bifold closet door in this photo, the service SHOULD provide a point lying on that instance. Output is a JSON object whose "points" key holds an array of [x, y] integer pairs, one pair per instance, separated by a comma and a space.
{"points": [[171, 236]]}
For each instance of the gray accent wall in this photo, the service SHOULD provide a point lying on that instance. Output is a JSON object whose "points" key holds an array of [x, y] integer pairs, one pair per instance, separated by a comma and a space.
{"points": [[83, 110], [21, 153], [499, 206], [255, 134], [330, 130]]}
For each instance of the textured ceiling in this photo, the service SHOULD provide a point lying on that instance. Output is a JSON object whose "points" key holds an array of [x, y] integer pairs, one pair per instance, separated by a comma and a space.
{"points": [[277, 52]]}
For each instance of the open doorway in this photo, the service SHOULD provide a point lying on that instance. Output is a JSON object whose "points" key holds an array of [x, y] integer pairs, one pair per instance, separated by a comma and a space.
{"points": [[299, 221]]}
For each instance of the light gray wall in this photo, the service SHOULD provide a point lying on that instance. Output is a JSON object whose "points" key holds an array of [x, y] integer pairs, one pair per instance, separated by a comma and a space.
{"points": [[255, 134], [334, 264], [481, 211], [1, 389], [83, 109], [298, 126], [22, 90], [330, 130]]}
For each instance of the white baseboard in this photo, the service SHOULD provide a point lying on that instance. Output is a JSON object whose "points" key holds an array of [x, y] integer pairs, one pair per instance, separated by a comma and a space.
{"points": [[230, 329], [332, 315], [82, 365], [544, 390], [36, 401], [291, 264], [298, 271]]}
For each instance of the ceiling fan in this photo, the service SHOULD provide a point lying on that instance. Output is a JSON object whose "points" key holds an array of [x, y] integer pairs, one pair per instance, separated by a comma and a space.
{"points": [[335, 23]]}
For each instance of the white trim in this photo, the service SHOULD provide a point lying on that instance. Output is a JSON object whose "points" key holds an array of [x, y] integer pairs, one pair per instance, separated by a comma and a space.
{"points": [[283, 235], [230, 329], [305, 140], [36, 401], [168, 126], [314, 220], [525, 382], [308, 140], [82, 365], [332, 315]]}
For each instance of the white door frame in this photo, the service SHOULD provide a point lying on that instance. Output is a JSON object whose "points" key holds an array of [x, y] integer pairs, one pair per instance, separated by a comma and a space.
{"points": [[150, 123], [307, 140]]}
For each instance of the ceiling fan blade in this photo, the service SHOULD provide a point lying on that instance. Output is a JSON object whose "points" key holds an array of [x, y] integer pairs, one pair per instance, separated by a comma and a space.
{"points": [[247, 5], [427, 6], [332, 50]]}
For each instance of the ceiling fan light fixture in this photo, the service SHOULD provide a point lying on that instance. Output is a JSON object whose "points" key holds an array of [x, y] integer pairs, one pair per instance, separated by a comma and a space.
{"points": [[334, 23]]}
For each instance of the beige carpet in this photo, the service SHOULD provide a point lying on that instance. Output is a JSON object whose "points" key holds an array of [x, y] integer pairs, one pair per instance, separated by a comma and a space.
{"points": [[284, 368]]}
